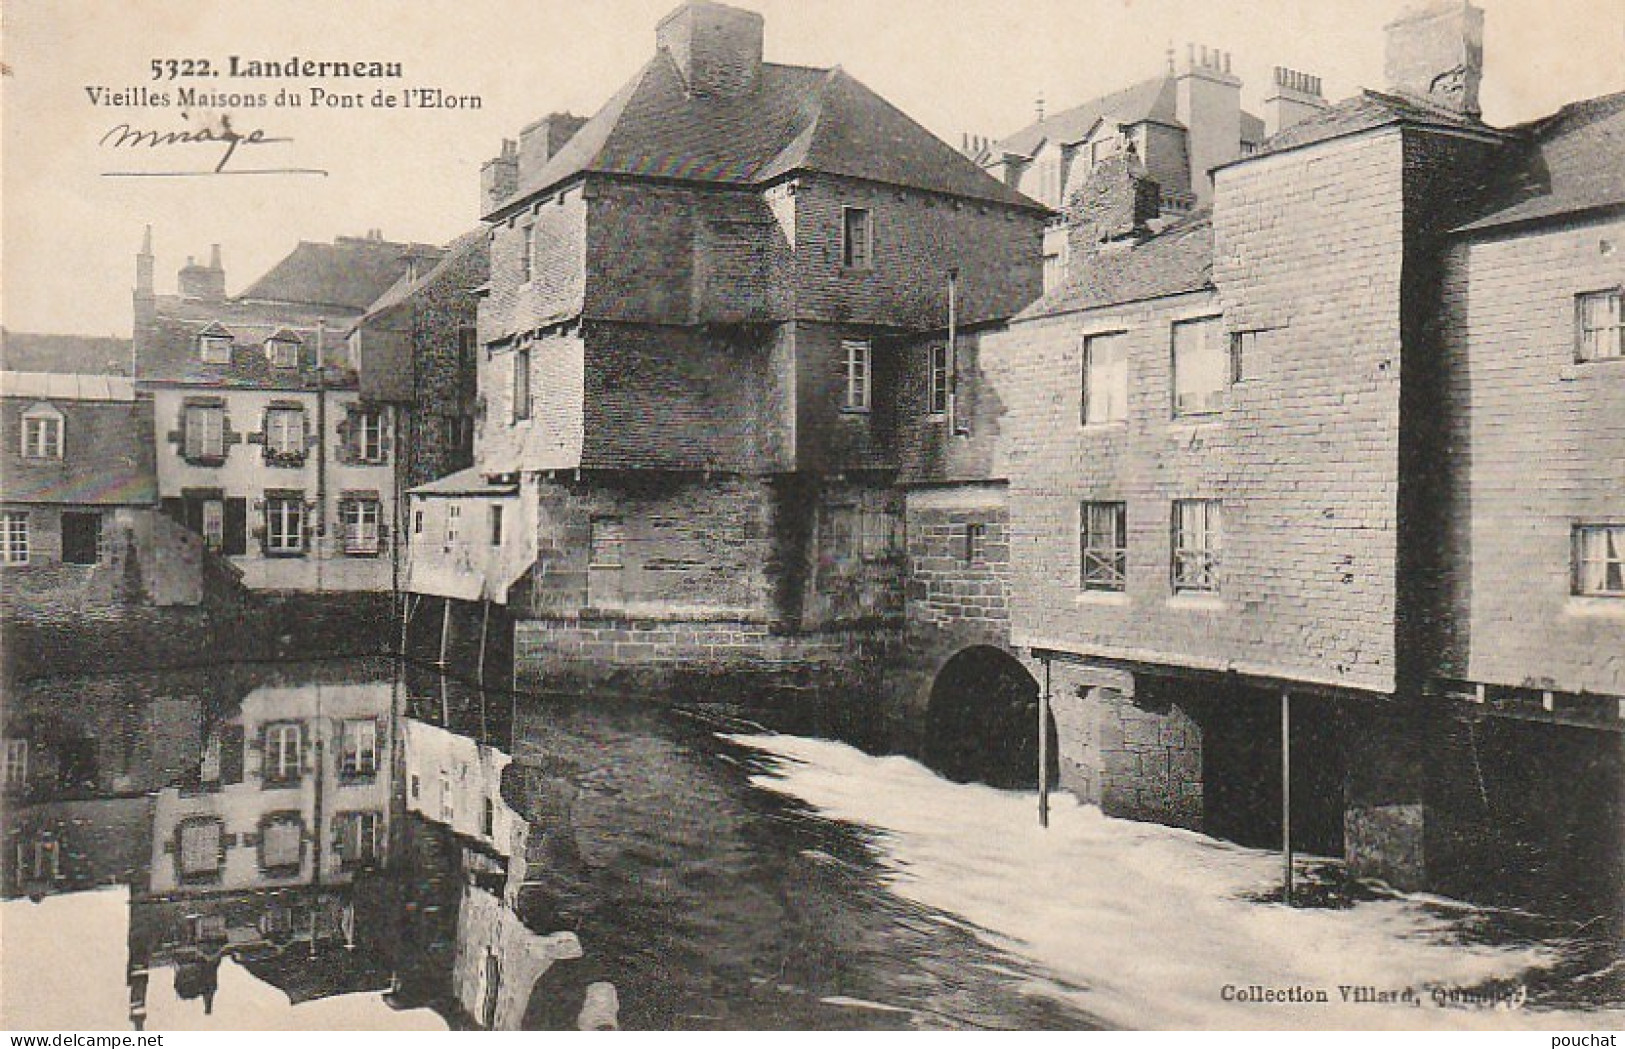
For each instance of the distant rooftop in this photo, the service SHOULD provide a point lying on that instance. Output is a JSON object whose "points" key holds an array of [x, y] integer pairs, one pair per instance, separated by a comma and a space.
{"points": [[66, 386]]}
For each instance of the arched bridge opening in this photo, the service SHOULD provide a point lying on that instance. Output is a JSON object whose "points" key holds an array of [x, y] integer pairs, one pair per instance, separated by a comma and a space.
{"points": [[982, 721]]}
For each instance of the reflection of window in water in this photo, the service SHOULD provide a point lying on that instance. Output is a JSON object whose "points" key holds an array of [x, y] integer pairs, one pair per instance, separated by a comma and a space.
{"points": [[282, 841], [357, 836], [15, 772], [199, 848], [359, 748]]}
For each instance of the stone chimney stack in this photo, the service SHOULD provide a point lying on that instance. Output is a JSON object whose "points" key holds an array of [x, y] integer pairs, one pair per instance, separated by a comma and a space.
{"points": [[204, 283], [541, 139], [717, 48], [499, 177], [1207, 101], [144, 299], [1116, 203], [1292, 97], [1436, 54], [143, 265]]}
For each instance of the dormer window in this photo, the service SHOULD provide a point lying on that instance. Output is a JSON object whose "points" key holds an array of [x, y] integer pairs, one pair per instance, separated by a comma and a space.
{"points": [[282, 349], [214, 344], [42, 433]]}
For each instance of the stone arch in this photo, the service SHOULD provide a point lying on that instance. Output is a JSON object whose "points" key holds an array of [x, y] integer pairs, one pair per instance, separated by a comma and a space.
{"points": [[981, 720]]}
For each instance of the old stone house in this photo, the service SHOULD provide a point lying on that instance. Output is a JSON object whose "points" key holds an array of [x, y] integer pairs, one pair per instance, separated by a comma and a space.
{"points": [[1333, 472], [691, 369]]}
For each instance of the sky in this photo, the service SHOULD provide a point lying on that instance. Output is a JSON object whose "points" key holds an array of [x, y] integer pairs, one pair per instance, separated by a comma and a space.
{"points": [[68, 233]]}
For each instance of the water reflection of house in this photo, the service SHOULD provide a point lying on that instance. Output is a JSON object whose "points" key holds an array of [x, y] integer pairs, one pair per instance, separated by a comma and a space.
{"points": [[498, 955], [254, 855]]}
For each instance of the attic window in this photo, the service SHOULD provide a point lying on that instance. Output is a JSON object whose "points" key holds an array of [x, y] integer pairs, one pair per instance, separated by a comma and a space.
{"points": [[214, 347], [282, 352], [42, 433]]}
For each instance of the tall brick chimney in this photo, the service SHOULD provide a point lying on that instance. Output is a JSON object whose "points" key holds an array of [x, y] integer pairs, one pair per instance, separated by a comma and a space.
{"points": [[1116, 202], [1207, 101], [205, 283], [717, 48], [1292, 97], [499, 177], [1436, 54]]}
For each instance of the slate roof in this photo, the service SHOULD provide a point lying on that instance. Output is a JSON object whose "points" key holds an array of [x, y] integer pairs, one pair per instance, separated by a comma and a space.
{"points": [[1176, 260], [1154, 100], [349, 273], [74, 354], [171, 354], [1363, 112], [405, 288], [67, 385], [464, 482], [107, 453], [1574, 161], [796, 118]]}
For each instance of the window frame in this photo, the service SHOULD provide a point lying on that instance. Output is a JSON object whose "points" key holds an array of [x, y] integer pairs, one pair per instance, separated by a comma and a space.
{"points": [[203, 445], [1216, 406], [454, 523], [495, 521], [974, 551], [291, 525], [282, 353], [1580, 560], [855, 256], [214, 348], [192, 876], [360, 736], [367, 435], [366, 828], [1103, 566], [1117, 338], [16, 537], [276, 436], [44, 433], [353, 532], [289, 818], [1581, 331], [521, 405], [275, 740], [939, 380], [1195, 569], [857, 373]]}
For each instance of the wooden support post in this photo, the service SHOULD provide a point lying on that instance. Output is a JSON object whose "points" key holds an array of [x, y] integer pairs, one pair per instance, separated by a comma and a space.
{"points": [[1043, 750], [485, 622], [406, 618], [1286, 796], [445, 631]]}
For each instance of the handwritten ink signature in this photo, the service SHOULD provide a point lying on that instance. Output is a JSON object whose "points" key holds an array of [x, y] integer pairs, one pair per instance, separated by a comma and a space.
{"points": [[129, 137]]}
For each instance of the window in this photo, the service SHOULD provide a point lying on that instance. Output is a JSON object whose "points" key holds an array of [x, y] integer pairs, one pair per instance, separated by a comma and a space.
{"points": [[417, 522], [1105, 379], [358, 838], [940, 378], [1101, 148], [1201, 367], [282, 842], [454, 522], [285, 433], [1602, 326], [199, 849], [1599, 560], [855, 356], [527, 249], [205, 435], [496, 524], [358, 748], [282, 757], [1197, 543], [607, 542], [488, 818], [417, 786], [879, 535], [285, 524], [448, 805], [359, 519], [458, 430], [281, 352], [82, 538], [214, 524], [468, 343], [521, 384], [14, 537], [1244, 355], [1103, 546], [975, 549], [857, 238], [367, 435], [15, 773], [1054, 271], [214, 349], [42, 433]]}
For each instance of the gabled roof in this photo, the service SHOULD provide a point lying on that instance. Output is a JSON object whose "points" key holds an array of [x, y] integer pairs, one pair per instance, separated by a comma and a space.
{"points": [[1574, 162], [171, 355], [1179, 259], [107, 454], [453, 255], [794, 119], [1152, 100], [349, 273], [468, 481], [285, 335], [1363, 112], [75, 354]]}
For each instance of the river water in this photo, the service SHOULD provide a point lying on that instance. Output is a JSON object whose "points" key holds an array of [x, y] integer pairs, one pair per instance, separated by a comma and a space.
{"points": [[346, 845]]}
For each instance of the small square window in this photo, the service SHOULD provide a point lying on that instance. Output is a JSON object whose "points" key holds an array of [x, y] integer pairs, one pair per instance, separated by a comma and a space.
{"points": [[857, 238], [1601, 326], [282, 353], [1599, 560], [214, 349]]}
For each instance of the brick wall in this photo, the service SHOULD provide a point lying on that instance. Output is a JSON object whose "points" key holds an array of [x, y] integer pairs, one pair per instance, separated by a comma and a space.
{"points": [[947, 581], [1537, 444]]}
